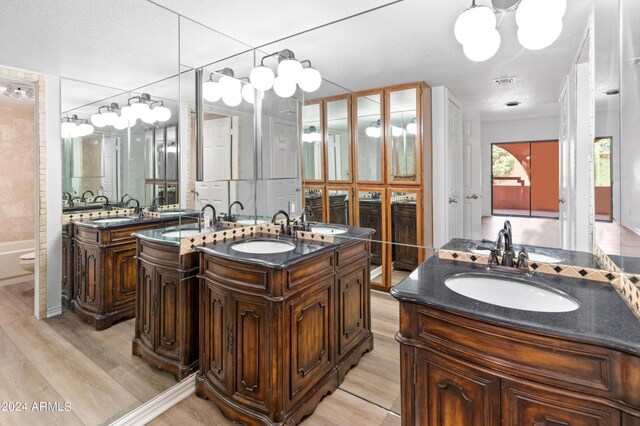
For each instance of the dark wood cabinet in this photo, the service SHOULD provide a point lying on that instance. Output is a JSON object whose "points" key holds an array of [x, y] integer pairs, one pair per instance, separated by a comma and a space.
{"points": [[268, 336], [105, 272], [404, 231], [457, 371], [166, 330], [371, 217], [67, 265]]}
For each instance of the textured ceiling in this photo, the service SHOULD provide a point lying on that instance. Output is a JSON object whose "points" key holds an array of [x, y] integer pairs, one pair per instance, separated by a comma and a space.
{"points": [[132, 43]]}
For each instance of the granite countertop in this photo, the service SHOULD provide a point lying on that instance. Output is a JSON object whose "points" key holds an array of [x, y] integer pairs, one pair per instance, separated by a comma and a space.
{"points": [[303, 249], [577, 258], [134, 220], [603, 317], [629, 264], [157, 235]]}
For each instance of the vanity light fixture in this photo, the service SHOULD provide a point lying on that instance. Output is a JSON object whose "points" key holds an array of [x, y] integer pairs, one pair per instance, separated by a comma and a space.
{"points": [[396, 131], [539, 26], [18, 93], [373, 131], [73, 127], [311, 134], [412, 128], [230, 89], [146, 109], [291, 73]]}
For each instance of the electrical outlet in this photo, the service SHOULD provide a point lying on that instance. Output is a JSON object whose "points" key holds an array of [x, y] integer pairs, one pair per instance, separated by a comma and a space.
{"points": [[292, 207]]}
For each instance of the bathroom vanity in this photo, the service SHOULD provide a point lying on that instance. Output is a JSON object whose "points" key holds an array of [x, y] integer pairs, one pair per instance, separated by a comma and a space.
{"points": [[166, 329], [278, 331], [464, 361], [105, 268]]}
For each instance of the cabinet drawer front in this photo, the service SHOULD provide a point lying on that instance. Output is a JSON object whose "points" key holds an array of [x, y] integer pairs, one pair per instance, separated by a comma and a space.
{"points": [[553, 361], [345, 256], [236, 274], [311, 332], [525, 405], [304, 271]]}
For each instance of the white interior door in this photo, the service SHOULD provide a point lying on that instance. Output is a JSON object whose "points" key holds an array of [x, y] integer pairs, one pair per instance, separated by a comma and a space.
{"points": [[565, 167], [216, 149], [110, 168], [472, 181], [454, 175]]}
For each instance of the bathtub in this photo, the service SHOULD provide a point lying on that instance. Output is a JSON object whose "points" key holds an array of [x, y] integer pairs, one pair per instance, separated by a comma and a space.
{"points": [[10, 270]]}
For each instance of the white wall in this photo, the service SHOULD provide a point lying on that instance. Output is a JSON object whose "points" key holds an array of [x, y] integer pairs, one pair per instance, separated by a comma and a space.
{"points": [[54, 199], [516, 130]]}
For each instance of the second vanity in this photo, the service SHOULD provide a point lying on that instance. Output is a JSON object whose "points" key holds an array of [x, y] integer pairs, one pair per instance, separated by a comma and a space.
{"points": [[469, 362], [279, 321]]}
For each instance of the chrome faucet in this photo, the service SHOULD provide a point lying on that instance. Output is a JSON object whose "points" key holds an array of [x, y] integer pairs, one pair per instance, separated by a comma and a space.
{"points": [[124, 197], [103, 197], [507, 253], [128, 203], [213, 219], [284, 230], [88, 191], [303, 216], [66, 196], [231, 205]]}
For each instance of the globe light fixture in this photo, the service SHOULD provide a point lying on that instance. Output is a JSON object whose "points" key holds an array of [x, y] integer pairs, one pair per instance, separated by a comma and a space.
{"points": [[284, 87], [373, 131], [97, 119], [474, 22], [161, 112], [540, 22], [262, 78], [211, 90], [309, 79], [482, 48], [412, 128], [248, 93], [396, 131]]}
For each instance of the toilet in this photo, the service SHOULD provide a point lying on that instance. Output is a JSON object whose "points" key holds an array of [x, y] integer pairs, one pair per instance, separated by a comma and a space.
{"points": [[27, 261]]}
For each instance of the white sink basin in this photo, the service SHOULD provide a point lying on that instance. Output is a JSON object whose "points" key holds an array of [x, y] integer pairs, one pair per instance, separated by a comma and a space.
{"points": [[263, 247], [172, 213], [251, 221], [184, 233], [510, 293], [113, 220], [533, 256], [320, 229]]}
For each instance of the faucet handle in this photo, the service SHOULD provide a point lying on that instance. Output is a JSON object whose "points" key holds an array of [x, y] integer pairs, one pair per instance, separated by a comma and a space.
{"points": [[523, 259], [493, 256]]}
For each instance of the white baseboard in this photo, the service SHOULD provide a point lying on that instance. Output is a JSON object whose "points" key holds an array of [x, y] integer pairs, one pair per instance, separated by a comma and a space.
{"points": [[158, 405], [16, 280], [54, 311]]}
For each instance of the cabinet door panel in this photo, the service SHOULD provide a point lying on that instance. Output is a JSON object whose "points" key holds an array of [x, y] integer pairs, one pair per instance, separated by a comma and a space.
{"points": [[167, 313], [311, 322], [524, 405], [213, 323], [87, 277], [146, 297], [454, 394], [250, 351], [352, 293], [124, 275]]}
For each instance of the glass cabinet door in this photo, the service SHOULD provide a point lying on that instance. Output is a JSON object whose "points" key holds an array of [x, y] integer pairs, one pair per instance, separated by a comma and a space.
{"points": [[403, 134], [312, 143], [370, 215], [369, 137], [337, 140], [405, 234], [339, 206], [313, 200]]}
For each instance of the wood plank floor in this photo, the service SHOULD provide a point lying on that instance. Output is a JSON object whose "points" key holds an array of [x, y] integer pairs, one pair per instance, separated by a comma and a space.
{"points": [[369, 395], [63, 359]]}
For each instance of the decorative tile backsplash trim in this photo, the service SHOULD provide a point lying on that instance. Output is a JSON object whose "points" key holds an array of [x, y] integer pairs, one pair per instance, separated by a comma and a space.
{"points": [[629, 285], [189, 244], [95, 214], [621, 282]]}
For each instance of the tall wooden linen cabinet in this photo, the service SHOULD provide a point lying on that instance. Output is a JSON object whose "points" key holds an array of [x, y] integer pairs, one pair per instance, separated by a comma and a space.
{"points": [[366, 161]]}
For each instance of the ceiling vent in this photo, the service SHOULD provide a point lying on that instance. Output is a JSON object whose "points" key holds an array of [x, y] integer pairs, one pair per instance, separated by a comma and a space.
{"points": [[504, 81]]}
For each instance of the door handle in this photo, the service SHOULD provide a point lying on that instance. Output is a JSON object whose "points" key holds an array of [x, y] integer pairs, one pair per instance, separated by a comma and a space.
{"points": [[562, 200], [474, 196], [452, 200]]}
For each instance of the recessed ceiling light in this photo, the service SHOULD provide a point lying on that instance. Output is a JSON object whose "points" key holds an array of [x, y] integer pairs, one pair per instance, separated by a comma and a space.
{"points": [[513, 103], [612, 92]]}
